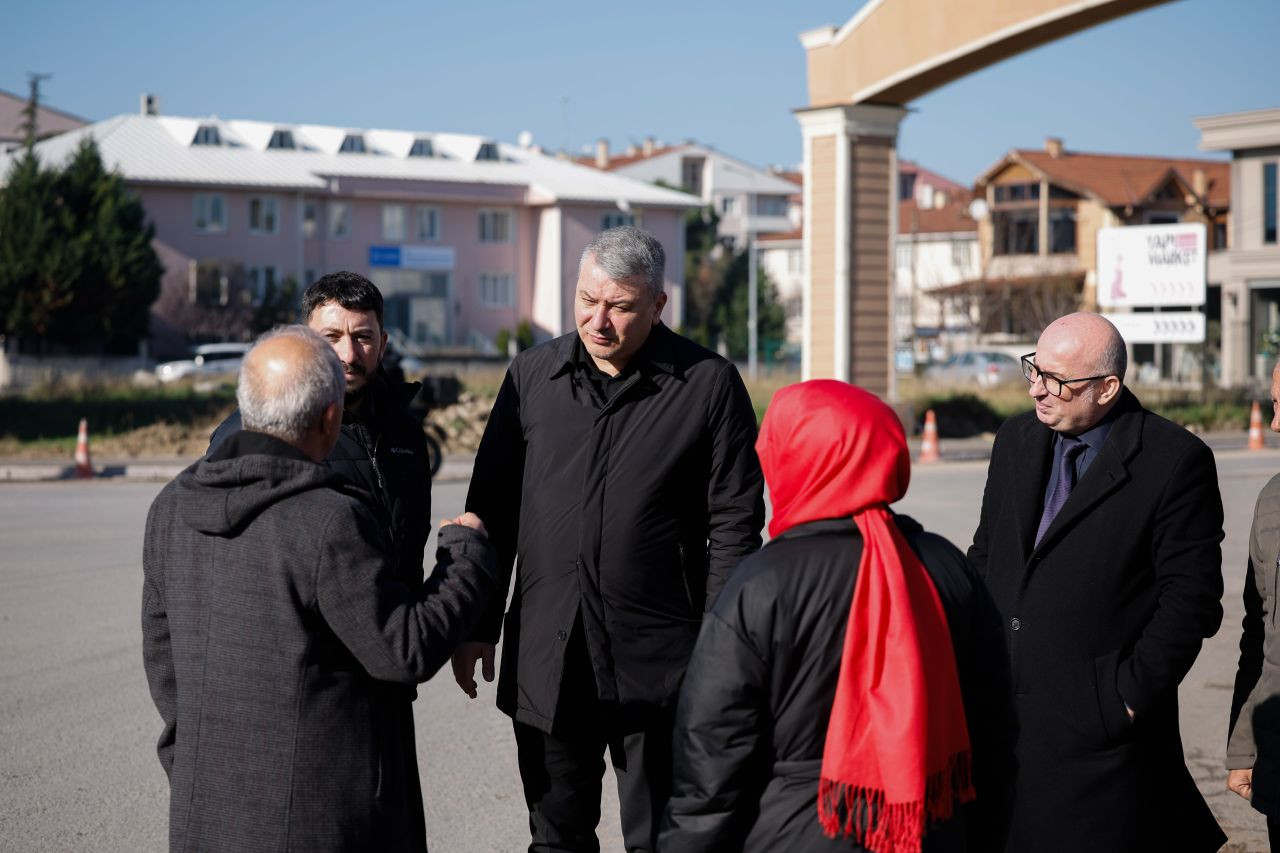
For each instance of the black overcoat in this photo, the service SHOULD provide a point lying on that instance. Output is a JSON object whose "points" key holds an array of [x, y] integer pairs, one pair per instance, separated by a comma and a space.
{"points": [[751, 722], [1111, 608], [627, 517]]}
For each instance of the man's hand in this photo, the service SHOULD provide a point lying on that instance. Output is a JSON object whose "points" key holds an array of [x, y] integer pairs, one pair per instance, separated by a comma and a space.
{"points": [[464, 659], [1241, 781], [467, 519]]}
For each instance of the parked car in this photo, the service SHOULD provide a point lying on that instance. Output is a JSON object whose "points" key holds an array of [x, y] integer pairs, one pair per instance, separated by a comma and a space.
{"points": [[983, 368], [206, 360]]}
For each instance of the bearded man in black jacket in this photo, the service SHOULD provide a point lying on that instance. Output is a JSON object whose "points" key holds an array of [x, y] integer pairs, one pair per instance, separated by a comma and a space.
{"points": [[381, 448], [619, 465]]}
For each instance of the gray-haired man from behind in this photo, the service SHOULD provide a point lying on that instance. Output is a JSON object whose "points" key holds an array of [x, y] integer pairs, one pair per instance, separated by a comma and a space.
{"points": [[276, 634]]}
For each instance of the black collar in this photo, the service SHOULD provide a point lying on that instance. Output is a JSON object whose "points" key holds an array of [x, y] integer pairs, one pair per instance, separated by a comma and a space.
{"points": [[654, 356]]}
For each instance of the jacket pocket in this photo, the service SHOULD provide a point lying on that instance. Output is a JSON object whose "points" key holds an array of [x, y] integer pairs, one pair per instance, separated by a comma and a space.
{"points": [[1111, 708]]}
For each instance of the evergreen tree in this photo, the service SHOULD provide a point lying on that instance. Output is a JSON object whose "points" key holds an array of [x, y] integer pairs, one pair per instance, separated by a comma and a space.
{"points": [[77, 270]]}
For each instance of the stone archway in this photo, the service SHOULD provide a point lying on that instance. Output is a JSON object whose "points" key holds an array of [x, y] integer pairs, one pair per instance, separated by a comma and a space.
{"points": [[860, 78]]}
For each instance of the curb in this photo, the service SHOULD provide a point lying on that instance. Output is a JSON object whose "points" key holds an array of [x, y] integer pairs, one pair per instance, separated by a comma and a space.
{"points": [[456, 470]]}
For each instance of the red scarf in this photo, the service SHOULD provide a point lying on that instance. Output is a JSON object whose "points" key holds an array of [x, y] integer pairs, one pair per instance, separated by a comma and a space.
{"points": [[897, 752]]}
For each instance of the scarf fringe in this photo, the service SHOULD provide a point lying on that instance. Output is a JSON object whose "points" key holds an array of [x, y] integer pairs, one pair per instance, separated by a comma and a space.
{"points": [[894, 827]]}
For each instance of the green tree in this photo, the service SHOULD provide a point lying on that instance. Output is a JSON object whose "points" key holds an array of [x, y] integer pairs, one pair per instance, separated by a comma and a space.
{"points": [[77, 270], [716, 285]]}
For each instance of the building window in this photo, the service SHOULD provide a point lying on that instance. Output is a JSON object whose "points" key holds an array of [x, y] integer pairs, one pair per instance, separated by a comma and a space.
{"points": [[496, 291], [1015, 232], [1161, 217], [352, 143], [795, 261], [959, 253], [488, 151], [339, 219], [1017, 192], [616, 219], [393, 224], [1269, 191], [906, 186], [771, 205], [495, 226], [207, 134], [422, 148], [1219, 235], [261, 282], [729, 205], [211, 213], [426, 223], [281, 139], [264, 214], [1062, 231], [310, 215]]}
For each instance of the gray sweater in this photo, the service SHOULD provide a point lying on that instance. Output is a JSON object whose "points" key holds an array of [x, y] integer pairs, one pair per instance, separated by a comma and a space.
{"points": [[276, 638]]}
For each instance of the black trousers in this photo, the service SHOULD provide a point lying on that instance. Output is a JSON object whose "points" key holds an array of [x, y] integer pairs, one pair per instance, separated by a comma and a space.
{"points": [[562, 772]]}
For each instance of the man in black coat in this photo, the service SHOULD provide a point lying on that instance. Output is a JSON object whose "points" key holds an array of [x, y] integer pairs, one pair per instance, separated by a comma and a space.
{"points": [[279, 641], [382, 448], [1099, 541], [619, 465]]}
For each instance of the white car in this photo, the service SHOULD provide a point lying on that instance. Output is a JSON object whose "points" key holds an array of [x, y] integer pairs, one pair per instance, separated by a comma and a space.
{"points": [[206, 360]]}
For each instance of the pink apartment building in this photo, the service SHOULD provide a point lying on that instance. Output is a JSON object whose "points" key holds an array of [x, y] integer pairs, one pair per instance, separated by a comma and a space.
{"points": [[464, 235]]}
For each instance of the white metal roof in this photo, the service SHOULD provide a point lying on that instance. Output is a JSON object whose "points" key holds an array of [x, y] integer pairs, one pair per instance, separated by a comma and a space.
{"points": [[158, 149]]}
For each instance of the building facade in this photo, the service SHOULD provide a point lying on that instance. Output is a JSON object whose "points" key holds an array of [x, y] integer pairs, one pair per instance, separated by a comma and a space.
{"points": [[1039, 216], [747, 199], [1247, 269], [465, 236]]}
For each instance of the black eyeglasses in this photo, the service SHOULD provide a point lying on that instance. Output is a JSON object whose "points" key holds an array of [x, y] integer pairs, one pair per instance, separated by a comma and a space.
{"points": [[1052, 383]]}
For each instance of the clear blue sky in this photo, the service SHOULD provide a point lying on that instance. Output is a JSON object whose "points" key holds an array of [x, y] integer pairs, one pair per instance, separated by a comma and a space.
{"points": [[724, 72]]}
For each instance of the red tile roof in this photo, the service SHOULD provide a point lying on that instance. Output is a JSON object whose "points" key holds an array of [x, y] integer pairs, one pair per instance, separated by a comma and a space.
{"points": [[617, 161], [934, 220], [1120, 180]]}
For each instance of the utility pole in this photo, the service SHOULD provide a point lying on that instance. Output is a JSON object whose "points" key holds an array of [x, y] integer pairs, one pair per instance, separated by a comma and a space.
{"points": [[753, 319], [30, 113]]}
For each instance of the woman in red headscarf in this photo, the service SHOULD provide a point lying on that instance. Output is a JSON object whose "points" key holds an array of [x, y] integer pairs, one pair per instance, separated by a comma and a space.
{"points": [[823, 706]]}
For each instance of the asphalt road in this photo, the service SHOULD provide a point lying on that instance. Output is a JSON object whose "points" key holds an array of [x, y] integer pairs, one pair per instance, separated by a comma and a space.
{"points": [[77, 728]]}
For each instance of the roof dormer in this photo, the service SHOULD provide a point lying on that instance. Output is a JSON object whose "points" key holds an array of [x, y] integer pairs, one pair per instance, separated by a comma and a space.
{"points": [[352, 143], [488, 151], [282, 138], [207, 134], [422, 147]]}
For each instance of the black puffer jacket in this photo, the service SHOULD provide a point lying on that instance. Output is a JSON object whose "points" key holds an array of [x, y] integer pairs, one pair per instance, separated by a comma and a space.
{"points": [[384, 454], [752, 715]]}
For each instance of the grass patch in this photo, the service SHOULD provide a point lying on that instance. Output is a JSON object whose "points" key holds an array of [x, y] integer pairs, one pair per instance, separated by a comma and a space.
{"points": [[51, 416]]}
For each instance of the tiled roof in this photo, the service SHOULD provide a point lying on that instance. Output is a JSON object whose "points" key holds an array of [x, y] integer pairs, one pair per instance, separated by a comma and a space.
{"points": [[155, 149], [617, 161], [933, 179], [951, 219], [781, 236], [1119, 180]]}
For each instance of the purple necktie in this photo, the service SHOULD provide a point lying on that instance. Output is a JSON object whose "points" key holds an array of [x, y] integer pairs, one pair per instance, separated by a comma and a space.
{"points": [[1071, 448]]}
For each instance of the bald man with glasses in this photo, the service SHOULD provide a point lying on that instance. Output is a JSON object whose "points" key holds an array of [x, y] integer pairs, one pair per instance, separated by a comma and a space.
{"points": [[1100, 543]]}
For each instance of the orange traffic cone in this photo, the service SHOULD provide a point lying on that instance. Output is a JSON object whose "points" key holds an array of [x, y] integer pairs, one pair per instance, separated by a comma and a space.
{"points": [[1256, 439], [929, 439], [84, 468]]}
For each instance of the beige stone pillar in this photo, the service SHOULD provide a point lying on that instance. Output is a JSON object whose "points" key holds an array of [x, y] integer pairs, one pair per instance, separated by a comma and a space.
{"points": [[850, 213]]}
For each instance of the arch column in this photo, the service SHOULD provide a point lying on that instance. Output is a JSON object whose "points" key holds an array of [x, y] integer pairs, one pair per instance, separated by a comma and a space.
{"points": [[850, 212]]}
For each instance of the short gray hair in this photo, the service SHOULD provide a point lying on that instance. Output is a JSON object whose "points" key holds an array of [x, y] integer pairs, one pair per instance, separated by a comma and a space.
{"points": [[1114, 358], [627, 253], [290, 406]]}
